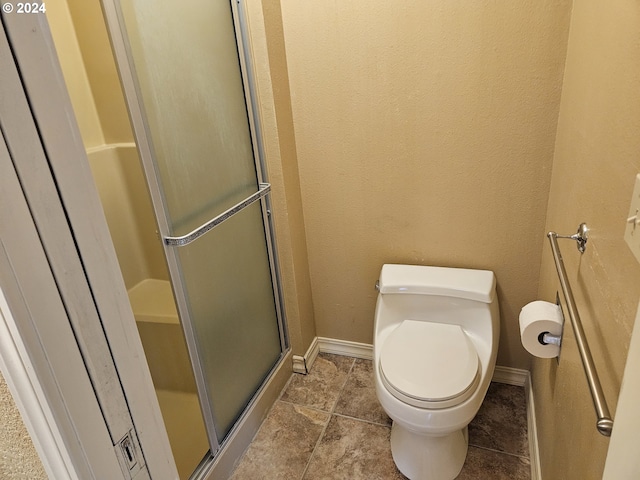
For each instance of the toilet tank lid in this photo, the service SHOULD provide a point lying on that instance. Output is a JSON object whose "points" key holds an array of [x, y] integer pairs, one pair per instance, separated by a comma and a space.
{"points": [[478, 285]]}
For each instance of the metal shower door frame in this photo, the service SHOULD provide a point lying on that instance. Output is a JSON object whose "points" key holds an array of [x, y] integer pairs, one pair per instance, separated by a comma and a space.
{"points": [[120, 45], [61, 273]]}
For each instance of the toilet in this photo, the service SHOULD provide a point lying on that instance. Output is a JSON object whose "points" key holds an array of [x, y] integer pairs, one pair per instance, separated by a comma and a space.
{"points": [[435, 344]]}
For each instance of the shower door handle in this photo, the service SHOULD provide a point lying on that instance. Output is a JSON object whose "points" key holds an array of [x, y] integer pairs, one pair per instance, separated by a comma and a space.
{"points": [[264, 189]]}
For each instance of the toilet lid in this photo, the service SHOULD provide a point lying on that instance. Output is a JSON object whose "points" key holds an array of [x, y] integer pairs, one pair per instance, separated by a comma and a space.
{"points": [[430, 365]]}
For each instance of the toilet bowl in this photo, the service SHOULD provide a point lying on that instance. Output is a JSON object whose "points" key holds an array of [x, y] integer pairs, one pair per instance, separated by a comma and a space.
{"points": [[435, 344]]}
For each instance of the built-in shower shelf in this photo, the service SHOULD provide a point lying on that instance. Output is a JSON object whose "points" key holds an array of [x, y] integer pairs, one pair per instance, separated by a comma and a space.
{"points": [[152, 301]]}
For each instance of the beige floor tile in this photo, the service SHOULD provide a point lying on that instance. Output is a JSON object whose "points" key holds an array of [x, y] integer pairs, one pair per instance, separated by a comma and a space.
{"points": [[354, 450], [501, 423], [283, 445], [321, 387], [358, 447], [358, 398], [484, 464]]}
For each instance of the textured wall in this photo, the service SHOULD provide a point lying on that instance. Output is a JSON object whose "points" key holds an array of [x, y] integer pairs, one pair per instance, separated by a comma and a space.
{"points": [[596, 161], [18, 457], [425, 134], [274, 100]]}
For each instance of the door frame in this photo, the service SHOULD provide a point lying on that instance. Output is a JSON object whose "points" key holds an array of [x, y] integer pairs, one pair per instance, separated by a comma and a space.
{"points": [[36, 341], [622, 461]]}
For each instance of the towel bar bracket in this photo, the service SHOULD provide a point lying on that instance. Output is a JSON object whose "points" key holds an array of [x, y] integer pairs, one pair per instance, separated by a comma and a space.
{"points": [[581, 237]]}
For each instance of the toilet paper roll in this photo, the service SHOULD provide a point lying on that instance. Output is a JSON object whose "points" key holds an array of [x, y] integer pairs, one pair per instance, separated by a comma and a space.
{"points": [[537, 318]]}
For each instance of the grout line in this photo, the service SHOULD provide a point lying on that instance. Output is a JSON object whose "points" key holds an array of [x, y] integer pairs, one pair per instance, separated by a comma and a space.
{"points": [[310, 407], [331, 412], [255, 435], [324, 430], [284, 389], [362, 420], [500, 451]]}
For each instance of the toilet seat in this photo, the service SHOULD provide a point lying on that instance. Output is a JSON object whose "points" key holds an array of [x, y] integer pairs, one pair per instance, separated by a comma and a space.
{"points": [[429, 365]]}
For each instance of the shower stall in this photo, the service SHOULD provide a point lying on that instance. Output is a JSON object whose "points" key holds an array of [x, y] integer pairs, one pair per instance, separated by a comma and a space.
{"points": [[210, 316]]}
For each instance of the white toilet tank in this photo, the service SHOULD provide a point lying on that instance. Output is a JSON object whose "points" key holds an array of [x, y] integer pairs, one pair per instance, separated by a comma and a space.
{"points": [[457, 296]]}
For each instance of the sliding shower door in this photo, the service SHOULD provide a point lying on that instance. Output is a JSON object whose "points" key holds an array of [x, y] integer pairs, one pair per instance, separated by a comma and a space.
{"points": [[183, 74]]}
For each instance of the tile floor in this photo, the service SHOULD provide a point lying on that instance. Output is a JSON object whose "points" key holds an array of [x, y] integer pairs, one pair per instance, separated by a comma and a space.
{"points": [[328, 425]]}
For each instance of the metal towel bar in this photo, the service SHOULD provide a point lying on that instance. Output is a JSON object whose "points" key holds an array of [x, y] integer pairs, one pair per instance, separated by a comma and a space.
{"points": [[264, 189], [604, 423]]}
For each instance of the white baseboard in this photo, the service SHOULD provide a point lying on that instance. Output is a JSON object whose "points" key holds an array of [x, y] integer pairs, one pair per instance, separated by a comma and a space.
{"points": [[302, 364], [299, 364], [507, 375], [532, 431], [346, 348], [510, 376]]}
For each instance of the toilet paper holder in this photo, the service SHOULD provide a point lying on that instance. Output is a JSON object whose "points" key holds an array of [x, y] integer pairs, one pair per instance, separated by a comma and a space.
{"points": [[604, 422], [547, 338]]}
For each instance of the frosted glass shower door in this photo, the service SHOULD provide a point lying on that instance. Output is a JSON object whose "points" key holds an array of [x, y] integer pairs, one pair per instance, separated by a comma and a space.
{"points": [[195, 135]]}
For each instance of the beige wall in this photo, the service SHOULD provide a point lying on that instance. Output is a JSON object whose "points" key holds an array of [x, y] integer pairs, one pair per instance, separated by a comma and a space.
{"points": [[274, 98], [425, 134], [595, 164]]}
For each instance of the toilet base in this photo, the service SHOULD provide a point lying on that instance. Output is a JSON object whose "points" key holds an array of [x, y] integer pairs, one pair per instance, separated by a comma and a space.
{"points": [[422, 457]]}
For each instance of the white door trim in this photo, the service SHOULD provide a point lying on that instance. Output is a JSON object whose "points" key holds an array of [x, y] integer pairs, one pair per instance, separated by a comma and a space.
{"points": [[41, 333], [17, 371], [623, 461]]}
